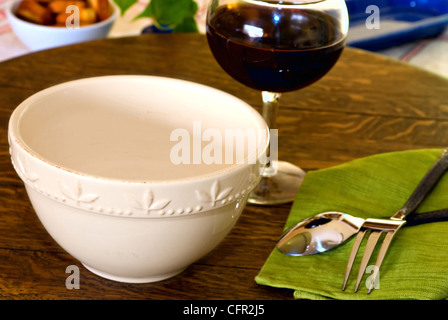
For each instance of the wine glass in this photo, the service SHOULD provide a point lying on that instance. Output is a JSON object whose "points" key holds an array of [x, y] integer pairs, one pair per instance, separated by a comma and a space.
{"points": [[276, 47]]}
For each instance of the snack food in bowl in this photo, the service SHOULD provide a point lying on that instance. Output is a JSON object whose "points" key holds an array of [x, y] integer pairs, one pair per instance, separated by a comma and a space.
{"points": [[44, 24], [137, 177]]}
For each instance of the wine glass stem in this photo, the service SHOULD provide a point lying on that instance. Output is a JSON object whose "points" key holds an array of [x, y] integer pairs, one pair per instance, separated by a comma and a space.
{"points": [[269, 113]]}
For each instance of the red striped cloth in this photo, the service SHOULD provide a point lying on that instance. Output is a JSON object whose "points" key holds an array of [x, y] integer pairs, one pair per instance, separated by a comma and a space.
{"points": [[421, 45], [4, 26]]}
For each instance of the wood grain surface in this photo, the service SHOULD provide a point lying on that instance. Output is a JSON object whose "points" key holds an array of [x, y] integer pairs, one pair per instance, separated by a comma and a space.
{"points": [[367, 104]]}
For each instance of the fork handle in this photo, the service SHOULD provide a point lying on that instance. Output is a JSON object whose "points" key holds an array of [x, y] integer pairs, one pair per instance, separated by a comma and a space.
{"points": [[424, 187]]}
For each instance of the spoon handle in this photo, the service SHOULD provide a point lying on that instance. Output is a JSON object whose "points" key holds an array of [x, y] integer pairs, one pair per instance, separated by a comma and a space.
{"points": [[424, 187]]}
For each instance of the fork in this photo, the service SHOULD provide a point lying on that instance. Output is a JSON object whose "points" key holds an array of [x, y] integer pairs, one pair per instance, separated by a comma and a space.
{"points": [[377, 227]]}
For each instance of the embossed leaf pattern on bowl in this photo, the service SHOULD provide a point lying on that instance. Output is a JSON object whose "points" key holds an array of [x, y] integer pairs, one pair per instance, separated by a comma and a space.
{"points": [[76, 194], [147, 202], [25, 169], [215, 194]]}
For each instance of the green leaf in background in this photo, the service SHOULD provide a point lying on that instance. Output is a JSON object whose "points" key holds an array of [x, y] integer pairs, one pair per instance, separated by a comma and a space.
{"points": [[124, 4], [188, 25], [179, 14], [171, 12]]}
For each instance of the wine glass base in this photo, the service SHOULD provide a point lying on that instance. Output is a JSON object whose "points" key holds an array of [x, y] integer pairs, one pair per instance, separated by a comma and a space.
{"points": [[280, 187]]}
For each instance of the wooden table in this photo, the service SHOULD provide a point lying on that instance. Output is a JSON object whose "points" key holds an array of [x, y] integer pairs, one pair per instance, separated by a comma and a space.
{"points": [[367, 104]]}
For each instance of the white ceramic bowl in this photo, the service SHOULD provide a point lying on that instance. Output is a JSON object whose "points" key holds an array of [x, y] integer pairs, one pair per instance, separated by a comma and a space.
{"points": [[39, 37], [97, 157]]}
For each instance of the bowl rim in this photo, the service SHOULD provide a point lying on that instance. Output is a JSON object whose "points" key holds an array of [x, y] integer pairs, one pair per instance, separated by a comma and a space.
{"points": [[10, 13], [17, 140]]}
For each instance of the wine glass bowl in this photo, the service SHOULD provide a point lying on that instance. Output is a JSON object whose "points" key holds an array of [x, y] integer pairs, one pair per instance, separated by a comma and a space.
{"points": [[276, 47]]}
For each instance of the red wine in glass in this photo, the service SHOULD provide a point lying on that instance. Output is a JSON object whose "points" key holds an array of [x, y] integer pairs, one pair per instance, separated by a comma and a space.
{"points": [[276, 47], [269, 63]]}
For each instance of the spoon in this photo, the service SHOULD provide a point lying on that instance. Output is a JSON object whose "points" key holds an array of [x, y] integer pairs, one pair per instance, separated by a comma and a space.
{"points": [[328, 230]]}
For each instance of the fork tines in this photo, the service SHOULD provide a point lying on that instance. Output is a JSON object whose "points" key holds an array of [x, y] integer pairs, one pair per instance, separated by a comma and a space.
{"points": [[376, 227]]}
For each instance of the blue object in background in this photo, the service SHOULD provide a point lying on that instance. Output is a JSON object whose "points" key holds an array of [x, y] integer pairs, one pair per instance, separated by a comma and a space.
{"points": [[400, 21], [153, 29]]}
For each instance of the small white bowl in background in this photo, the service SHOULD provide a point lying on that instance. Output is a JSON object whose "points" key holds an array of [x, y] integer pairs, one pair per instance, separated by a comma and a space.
{"points": [[98, 160], [39, 37]]}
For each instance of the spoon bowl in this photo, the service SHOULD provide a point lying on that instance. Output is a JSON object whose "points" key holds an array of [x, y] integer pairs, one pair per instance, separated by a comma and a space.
{"points": [[318, 234]]}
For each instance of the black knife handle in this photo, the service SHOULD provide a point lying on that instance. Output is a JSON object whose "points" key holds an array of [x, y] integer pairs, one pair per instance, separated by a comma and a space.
{"points": [[415, 219], [424, 187]]}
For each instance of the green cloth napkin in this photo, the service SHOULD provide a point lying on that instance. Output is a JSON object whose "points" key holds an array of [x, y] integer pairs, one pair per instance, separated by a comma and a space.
{"points": [[416, 265]]}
